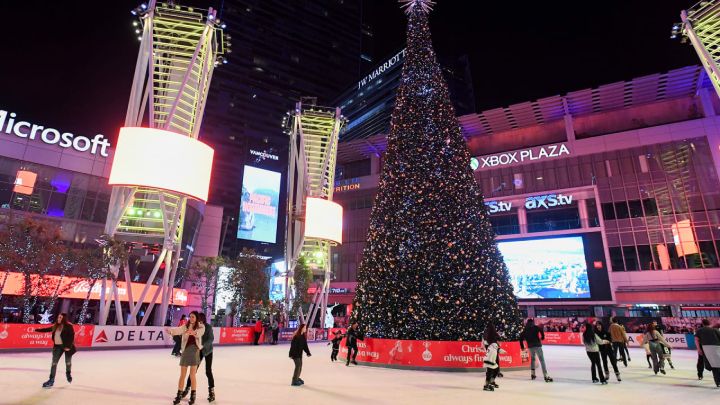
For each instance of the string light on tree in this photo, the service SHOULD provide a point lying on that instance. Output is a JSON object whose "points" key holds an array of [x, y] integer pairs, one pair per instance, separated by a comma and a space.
{"points": [[431, 269]]}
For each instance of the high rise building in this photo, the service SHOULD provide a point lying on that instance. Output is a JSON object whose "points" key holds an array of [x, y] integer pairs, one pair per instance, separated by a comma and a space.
{"points": [[282, 50]]}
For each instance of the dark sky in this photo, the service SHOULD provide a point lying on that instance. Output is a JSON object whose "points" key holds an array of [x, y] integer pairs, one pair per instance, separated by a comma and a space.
{"points": [[70, 64]]}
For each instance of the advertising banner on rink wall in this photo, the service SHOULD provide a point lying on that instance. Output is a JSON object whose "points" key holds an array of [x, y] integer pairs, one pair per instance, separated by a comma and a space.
{"points": [[23, 336], [240, 335], [434, 354], [676, 341]]}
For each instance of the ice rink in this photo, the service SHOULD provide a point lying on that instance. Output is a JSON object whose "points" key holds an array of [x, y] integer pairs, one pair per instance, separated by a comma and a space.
{"points": [[261, 375]]}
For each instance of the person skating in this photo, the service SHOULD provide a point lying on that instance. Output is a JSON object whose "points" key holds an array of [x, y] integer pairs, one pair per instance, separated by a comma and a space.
{"points": [[298, 345], [491, 362], [63, 338], [335, 342], [619, 340], [191, 344], [207, 354], [178, 339], [667, 356], [656, 341], [275, 328], [258, 331], [592, 344], [352, 336], [709, 343], [606, 351], [648, 354], [534, 336]]}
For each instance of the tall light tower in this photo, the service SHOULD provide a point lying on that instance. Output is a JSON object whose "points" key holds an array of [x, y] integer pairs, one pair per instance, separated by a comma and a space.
{"points": [[314, 221], [701, 25], [159, 163]]}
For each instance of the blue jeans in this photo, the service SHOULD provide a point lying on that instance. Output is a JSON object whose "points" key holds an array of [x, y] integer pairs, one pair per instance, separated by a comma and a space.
{"points": [[537, 351]]}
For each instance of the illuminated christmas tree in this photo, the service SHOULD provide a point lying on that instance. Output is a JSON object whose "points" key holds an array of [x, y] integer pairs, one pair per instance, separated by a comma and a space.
{"points": [[431, 269]]}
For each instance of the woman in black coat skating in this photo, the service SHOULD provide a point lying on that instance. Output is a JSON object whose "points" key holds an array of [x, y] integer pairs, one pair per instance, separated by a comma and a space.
{"points": [[63, 338], [298, 345]]}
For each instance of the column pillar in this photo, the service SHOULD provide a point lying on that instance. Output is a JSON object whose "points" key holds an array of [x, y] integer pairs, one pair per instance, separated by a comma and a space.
{"points": [[375, 166], [522, 219], [582, 210]]}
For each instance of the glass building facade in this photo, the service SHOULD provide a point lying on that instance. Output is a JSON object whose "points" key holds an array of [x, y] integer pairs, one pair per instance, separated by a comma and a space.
{"points": [[637, 180]]}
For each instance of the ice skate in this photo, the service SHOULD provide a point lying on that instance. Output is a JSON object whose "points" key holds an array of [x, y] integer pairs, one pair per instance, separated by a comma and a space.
{"points": [[211, 394], [49, 383]]}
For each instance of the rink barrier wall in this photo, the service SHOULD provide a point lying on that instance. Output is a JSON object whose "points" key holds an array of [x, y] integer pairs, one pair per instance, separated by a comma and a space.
{"points": [[376, 351], [434, 355]]}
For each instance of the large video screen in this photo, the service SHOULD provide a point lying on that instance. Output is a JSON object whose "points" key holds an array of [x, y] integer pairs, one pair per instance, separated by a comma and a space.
{"points": [[553, 268], [259, 205]]}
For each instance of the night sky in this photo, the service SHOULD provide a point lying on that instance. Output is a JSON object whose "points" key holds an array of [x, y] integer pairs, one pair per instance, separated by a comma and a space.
{"points": [[69, 64]]}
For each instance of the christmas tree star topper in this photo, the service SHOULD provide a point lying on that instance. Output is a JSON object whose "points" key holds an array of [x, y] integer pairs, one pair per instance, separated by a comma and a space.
{"points": [[409, 5]]}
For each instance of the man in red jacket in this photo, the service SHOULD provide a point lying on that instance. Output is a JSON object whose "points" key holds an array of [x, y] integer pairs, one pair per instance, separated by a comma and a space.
{"points": [[258, 331]]}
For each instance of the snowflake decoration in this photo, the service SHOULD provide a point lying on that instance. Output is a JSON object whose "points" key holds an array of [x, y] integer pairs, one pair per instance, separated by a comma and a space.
{"points": [[409, 5]]}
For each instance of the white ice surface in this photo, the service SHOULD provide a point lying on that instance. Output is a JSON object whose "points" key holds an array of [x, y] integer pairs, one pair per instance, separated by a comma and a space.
{"points": [[261, 375]]}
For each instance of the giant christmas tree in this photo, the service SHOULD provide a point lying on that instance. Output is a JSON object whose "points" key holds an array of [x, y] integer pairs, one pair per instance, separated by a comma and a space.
{"points": [[431, 269]]}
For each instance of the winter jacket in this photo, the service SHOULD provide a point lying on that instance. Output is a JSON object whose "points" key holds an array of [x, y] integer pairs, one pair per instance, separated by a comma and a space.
{"points": [[67, 335], [353, 335], [207, 340], [297, 346], [491, 357], [594, 345], [180, 331], [617, 333], [709, 339], [656, 337], [258, 327], [533, 335], [605, 336]]}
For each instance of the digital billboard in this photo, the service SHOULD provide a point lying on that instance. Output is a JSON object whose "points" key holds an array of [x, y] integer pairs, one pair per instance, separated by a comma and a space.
{"points": [[259, 205], [552, 268]]}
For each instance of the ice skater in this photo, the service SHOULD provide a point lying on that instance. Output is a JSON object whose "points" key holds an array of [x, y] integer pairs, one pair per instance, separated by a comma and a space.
{"points": [[207, 354], [335, 342], [534, 336], [592, 344], [656, 342], [191, 344], [667, 355], [648, 355], [298, 345], [63, 338], [709, 343], [258, 332], [353, 335], [619, 340], [606, 351], [177, 339], [491, 361], [275, 328]]}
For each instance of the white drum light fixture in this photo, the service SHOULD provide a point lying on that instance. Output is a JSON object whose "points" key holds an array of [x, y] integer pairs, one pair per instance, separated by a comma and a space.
{"points": [[323, 219], [138, 163]]}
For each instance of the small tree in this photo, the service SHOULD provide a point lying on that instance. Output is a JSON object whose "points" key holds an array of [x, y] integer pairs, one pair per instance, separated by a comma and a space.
{"points": [[32, 248], [302, 278], [247, 283], [65, 260], [94, 264], [204, 277]]}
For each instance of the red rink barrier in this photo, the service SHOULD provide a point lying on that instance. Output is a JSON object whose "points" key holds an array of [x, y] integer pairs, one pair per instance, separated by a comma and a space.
{"points": [[235, 336], [23, 336], [434, 355]]}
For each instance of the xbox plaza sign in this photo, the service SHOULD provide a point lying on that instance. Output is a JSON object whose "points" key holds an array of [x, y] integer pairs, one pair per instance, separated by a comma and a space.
{"points": [[522, 156], [11, 125]]}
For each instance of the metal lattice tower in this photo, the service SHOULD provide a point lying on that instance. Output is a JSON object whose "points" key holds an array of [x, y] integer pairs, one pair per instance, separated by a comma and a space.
{"points": [[314, 132], [701, 25], [179, 48]]}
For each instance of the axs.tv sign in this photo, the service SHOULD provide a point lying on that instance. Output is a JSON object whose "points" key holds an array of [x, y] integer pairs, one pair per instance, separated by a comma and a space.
{"points": [[534, 202]]}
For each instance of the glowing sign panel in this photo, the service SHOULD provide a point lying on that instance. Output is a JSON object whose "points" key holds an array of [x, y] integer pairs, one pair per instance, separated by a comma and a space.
{"points": [[25, 182], [323, 219], [161, 159], [259, 206]]}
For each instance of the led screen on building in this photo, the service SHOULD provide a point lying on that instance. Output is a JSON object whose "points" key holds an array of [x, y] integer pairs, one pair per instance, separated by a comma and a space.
{"points": [[547, 268], [259, 205]]}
